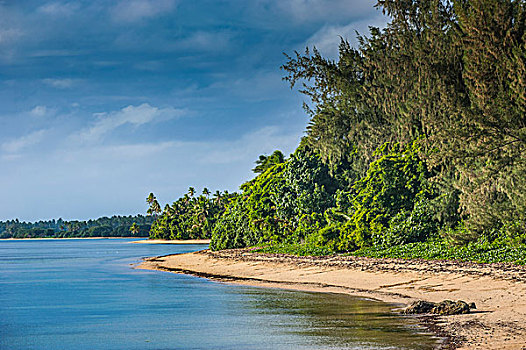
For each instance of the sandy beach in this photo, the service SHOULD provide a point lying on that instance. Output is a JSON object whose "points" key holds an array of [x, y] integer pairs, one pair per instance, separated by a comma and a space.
{"points": [[498, 290], [173, 241]]}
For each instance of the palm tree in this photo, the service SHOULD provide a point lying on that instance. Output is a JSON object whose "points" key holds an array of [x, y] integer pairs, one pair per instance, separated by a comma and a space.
{"points": [[154, 208], [134, 229], [150, 198], [191, 191], [218, 197], [206, 192]]}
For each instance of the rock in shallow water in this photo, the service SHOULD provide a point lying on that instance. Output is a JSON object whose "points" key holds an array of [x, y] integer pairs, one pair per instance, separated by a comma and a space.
{"points": [[446, 307]]}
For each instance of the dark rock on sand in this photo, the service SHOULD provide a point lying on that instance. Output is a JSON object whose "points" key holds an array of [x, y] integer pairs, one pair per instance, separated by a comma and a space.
{"points": [[419, 307], [446, 307]]}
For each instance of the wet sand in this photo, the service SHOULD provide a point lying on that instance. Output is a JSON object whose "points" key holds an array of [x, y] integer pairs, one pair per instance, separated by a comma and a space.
{"points": [[498, 290]]}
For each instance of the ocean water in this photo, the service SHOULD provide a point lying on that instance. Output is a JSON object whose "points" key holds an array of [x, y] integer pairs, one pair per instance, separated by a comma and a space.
{"points": [[85, 294]]}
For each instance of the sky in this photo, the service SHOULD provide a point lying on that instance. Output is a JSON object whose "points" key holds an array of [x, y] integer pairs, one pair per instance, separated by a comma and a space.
{"points": [[103, 102]]}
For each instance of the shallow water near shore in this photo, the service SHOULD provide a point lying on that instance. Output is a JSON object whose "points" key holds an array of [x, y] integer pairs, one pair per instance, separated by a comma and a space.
{"points": [[75, 294]]}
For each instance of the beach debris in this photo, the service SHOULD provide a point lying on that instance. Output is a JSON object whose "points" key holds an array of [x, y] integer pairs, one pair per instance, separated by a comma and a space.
{"points": [[446, 307]]}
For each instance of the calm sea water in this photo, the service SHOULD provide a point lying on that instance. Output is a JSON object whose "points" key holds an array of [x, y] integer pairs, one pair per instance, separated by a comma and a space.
{"points": [[84, 294]]}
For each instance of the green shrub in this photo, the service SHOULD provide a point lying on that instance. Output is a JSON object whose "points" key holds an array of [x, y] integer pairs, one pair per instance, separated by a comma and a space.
{"points": [[408, 227], [384, 208], [232, 229], [283, 204]]}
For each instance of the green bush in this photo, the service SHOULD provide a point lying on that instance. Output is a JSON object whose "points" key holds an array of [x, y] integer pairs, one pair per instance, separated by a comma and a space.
{"points": [[283, 204], [408, 227], [390, 204], [232, 229]]}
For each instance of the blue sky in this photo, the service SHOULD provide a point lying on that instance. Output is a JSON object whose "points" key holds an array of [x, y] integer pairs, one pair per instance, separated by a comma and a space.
{"points": [[102, 102]]}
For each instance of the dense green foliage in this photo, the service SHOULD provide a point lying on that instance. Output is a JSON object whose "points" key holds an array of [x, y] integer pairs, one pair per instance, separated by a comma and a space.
{"points": [[116, 226], [450, 74], [416, 145], [275, 206], [301, 200]]}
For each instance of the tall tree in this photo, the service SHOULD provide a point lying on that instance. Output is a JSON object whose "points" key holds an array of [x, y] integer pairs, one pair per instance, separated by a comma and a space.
{"points": [[154, 208], [134, 229], [493, 131]]}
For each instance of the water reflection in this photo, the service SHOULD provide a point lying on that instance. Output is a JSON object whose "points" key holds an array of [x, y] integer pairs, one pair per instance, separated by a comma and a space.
{"points": [[333, 321]]}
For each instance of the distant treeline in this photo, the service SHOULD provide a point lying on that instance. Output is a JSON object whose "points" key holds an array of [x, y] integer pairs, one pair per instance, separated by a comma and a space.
{"points": [[116, 226]]}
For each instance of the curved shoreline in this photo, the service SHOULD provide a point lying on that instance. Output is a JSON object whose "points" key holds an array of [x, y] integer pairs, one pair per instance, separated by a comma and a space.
{"points": [[498, 290]]}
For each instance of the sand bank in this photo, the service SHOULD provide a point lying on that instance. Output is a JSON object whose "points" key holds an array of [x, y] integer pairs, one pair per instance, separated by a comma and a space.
{"points": [[498, 290], [174, 241]]}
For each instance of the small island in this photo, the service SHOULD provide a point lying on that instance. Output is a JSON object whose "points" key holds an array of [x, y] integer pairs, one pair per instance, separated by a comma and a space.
{"points": [[115, 226]]}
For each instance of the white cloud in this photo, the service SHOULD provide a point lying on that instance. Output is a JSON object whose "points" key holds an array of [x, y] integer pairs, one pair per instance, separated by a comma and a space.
{"points": [[137, 150], [117, 154], [115, 178], [39, 111], [150, 66], [327, 39], [136, 116], [9, 35], [198, 41], [250, 146], [16, 145], [308, 9], [260, 86], [55, 53], [59, 83], [129, 11], [316, 10], [206, 41], [106, 64], [59, 8]]}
